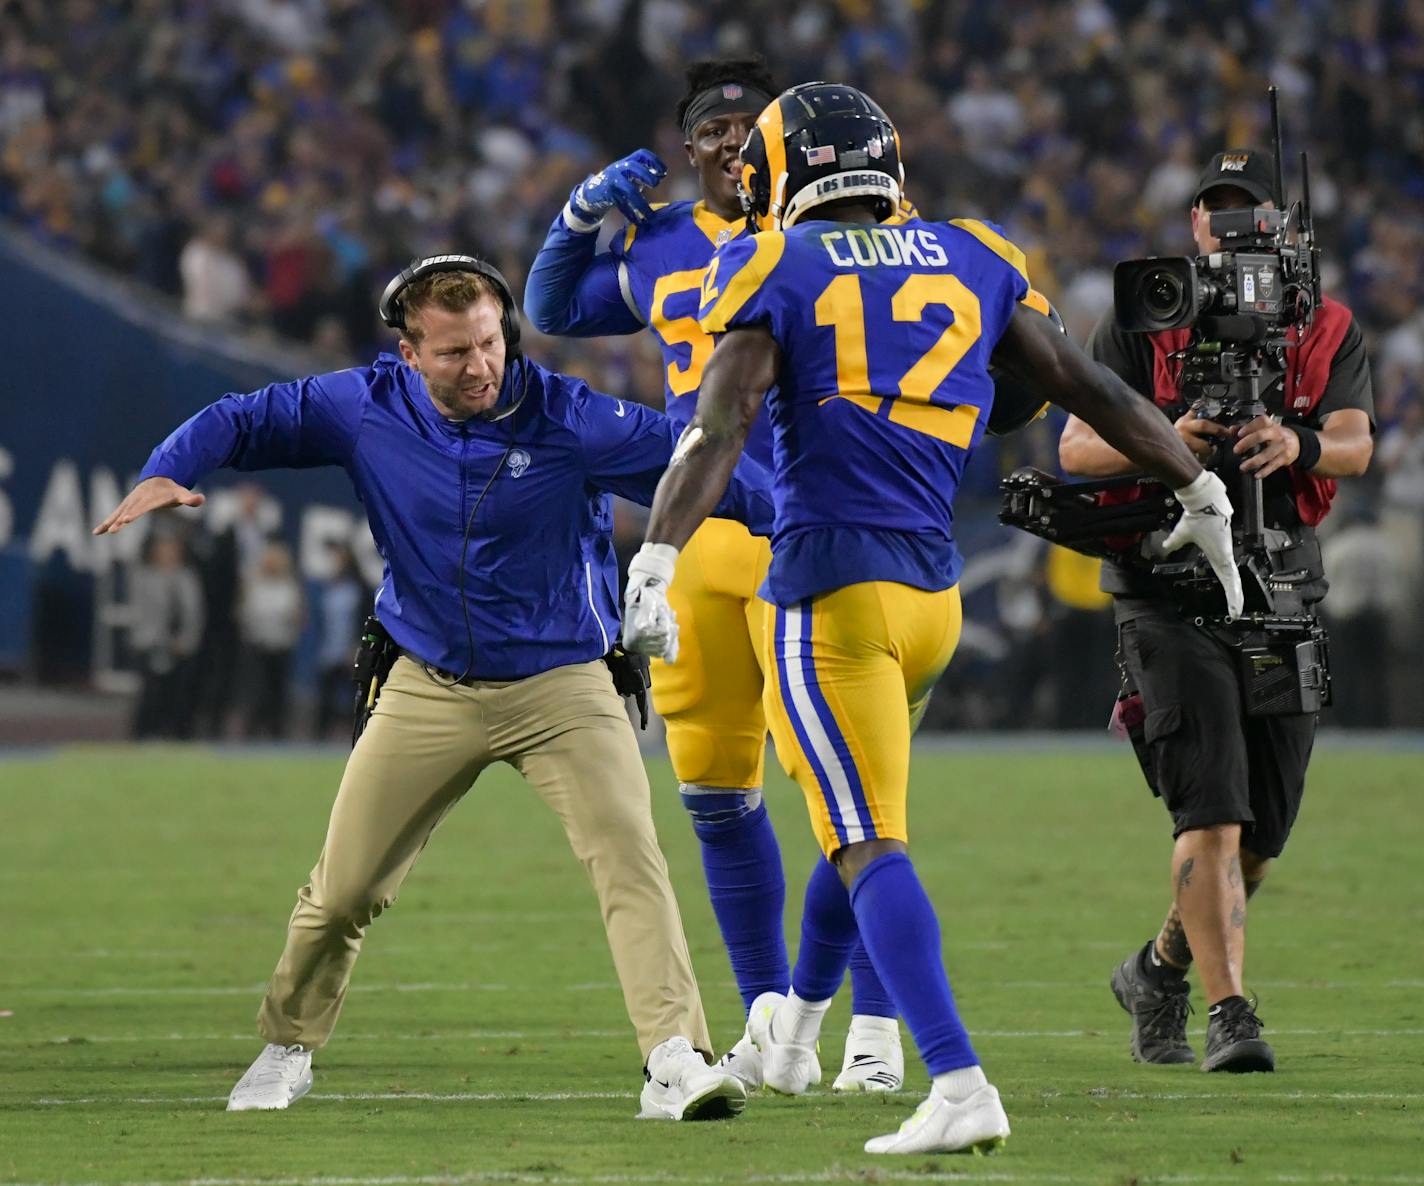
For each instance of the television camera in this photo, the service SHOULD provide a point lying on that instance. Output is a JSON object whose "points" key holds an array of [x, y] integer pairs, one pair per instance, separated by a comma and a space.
{"points": [[1243, 305]]}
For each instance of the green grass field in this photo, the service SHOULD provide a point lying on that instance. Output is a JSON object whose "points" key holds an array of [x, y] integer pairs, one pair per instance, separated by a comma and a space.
{"points": [[484, 1038]]}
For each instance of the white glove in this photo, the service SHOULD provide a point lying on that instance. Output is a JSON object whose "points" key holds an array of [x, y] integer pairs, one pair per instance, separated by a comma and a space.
{"points": [[1206, 522], [649, 625]]}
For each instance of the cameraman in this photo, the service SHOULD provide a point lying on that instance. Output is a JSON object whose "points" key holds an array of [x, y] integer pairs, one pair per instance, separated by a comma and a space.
{"points": [[1232, 782]]}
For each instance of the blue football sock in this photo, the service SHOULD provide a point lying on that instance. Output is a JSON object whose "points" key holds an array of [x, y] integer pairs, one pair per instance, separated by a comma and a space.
{"points": [[868, 994], [901, 933], [745, 881], [828, 934]]}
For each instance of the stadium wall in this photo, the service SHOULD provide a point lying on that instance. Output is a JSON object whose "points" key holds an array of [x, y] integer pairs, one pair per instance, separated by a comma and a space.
{"points": [[97, 372]]}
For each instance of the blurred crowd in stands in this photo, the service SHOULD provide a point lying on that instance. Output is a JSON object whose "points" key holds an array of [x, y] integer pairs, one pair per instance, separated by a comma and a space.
{"points": [[270, 163], [217, 619]]}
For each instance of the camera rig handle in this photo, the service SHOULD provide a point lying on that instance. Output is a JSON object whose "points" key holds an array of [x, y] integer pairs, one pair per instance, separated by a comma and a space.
{"points": [[1072, 513]]}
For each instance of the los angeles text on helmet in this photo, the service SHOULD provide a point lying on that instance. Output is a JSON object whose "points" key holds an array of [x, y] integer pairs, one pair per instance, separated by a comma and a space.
{"points": [[854, 181], [869, 246]]}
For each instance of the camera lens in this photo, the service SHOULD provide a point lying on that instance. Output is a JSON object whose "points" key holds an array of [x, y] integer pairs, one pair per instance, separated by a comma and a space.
{"points": [[1162, 294]]}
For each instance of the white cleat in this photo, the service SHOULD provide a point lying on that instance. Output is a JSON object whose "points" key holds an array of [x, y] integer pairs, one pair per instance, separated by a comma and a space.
{"points": [[744, 1061], [785, 1068], [278, 1077], [974, 1125], [681, 1086], [874, 1060]]}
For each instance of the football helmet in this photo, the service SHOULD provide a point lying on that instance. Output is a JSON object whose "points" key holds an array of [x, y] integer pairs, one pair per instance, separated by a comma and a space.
{"points": [[819, 142]]}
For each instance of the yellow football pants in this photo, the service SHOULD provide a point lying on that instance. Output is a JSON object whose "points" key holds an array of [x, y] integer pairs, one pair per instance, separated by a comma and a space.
{"points": [[711, 698], [854, 669]]}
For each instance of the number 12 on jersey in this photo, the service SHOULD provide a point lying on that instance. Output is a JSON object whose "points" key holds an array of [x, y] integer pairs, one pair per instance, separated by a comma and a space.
{"points": [[841, 307]]}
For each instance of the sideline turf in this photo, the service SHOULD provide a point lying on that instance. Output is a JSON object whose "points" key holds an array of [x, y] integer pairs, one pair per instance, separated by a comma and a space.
{"points": [[147, 891]]}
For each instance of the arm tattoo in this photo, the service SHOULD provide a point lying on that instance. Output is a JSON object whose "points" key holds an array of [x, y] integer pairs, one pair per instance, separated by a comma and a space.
{"points": [[1233, 873], [1238, 914], [1184, 875]]}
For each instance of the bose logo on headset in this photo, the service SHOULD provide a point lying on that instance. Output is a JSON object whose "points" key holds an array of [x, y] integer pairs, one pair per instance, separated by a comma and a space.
{"points": [[392, 310]]}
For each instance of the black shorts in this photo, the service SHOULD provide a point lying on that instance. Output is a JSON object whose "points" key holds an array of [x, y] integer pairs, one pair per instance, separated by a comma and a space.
{"points": [[1209, 761]]}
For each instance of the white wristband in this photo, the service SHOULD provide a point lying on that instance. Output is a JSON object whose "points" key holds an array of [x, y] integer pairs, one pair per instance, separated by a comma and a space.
{"points": [[1200, 492], [655, 560], [579, 225]]}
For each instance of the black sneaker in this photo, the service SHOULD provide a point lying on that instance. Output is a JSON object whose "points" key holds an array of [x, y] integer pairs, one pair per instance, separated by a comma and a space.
{"points": [[1159, 1013], [1233, 1039]]}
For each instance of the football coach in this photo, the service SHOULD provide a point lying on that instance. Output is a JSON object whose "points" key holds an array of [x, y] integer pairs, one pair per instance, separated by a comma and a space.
{"points": [[486, 480]]}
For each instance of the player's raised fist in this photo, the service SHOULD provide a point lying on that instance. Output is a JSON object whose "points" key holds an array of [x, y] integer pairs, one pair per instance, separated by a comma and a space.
{"points": [[619, 185], [152, 494]]}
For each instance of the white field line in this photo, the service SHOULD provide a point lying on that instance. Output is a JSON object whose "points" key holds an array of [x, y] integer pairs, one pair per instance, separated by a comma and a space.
{"points": [[859, 1175], [1104, 1094], [198, 990], [494, 1178], [467, 946], [550, 1035], [478, 945], [555, 1034], [482, 945], [453, 1096]]}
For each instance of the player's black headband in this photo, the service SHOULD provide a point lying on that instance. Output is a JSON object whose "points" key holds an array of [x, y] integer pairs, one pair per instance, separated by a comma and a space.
{"points": [[726, 98]]}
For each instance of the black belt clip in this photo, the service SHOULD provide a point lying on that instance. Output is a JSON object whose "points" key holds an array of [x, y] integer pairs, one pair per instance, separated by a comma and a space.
{"points": [[376, 654], [632, 676]]}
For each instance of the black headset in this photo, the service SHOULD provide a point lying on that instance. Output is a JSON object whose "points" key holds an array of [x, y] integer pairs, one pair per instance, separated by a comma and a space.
{"points": [[392, 310]]}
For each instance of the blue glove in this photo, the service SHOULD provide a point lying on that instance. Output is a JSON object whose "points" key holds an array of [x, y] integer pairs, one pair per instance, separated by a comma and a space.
{"points": [[620, 185]]}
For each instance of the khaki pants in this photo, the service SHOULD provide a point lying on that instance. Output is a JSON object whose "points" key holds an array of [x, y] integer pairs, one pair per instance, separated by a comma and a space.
{"points": [[566, 732]]}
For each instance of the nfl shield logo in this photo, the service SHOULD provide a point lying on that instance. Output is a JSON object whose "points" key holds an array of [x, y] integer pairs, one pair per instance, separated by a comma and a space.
{"points": [[731, 91], [875, 149]]}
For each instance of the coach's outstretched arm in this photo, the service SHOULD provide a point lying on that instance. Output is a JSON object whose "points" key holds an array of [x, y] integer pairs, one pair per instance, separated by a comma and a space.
{"points": [[740, 372], [307, 422], [1035, 353]]}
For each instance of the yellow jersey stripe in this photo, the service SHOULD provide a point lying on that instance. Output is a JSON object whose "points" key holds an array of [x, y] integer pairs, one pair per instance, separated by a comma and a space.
{"points": [[1036, 300], [995, 242], [750, 277], [633, 227]]}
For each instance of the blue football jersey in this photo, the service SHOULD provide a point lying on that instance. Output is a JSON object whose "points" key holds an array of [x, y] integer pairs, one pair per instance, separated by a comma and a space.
{"points": [[662, 266], [883, 392]]}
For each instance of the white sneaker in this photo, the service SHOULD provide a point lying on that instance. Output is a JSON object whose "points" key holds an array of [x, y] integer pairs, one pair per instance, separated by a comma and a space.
{"points": [[975, 1125], [744, 1061], [681, 1086], [785, 1068], [874, 1060], [280, 1076]]}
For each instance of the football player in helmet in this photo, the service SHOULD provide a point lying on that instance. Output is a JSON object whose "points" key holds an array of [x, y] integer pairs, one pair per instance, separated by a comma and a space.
{"points": [[869, 342], [711, 698]]}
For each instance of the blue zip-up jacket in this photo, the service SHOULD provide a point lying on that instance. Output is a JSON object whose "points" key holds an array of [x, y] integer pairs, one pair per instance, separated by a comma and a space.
{"points": [[540, 576]]}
